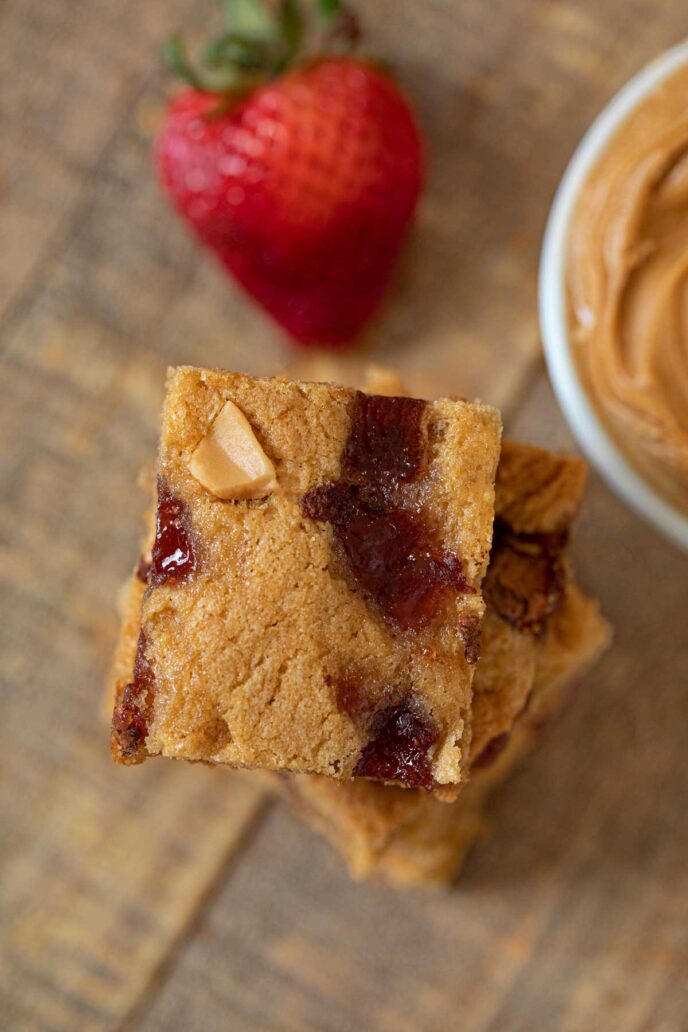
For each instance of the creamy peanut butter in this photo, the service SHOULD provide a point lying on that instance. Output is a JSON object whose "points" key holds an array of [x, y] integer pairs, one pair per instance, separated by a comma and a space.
{"points": [[628, 287]]}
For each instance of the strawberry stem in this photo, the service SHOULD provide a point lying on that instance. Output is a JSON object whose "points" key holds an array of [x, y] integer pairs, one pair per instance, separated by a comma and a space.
{"points": [[252, 19], [232, 48], [263, 39], [329, 8], [292, 30], [175, 56]]}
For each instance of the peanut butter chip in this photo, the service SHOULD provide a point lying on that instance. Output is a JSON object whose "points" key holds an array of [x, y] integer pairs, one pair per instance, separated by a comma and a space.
{"points": [[229, 462]]}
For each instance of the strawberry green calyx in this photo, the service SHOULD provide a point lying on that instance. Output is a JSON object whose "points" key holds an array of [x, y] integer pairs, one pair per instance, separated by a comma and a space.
{"points": [[262, 39]]}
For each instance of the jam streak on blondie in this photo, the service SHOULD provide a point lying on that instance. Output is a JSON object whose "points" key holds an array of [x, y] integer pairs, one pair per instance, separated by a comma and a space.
{"points": [[400, 735], [172, 559], [134, 708], [525, 580], [398, 750], [389, 549], [385, 439], [525, 585], [173, 556], [393, 556]]}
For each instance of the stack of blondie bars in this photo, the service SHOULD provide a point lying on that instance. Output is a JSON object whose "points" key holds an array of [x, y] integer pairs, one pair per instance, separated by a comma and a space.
{"points": [[364, 594]]}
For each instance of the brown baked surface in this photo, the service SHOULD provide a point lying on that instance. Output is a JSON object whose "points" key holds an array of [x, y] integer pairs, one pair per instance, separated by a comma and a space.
{"points": [[246, 651], [538, 491]]}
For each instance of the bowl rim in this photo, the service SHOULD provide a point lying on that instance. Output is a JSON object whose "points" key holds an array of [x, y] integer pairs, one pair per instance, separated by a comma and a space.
{"points": [[586, 426]]}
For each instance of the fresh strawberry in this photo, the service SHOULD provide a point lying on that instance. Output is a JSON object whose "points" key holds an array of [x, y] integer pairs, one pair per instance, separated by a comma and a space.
{"points": [[303, 182]]}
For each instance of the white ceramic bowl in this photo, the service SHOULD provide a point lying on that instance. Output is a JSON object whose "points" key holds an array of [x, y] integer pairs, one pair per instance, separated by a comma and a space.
{"points": [[587, 427]]}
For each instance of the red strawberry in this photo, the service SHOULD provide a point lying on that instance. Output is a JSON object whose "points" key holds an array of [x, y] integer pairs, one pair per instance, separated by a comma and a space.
{"points": [[304, 188]]}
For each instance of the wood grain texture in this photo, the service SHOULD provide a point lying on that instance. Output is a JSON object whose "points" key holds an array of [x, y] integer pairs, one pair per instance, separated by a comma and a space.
{"points": [[103, 872], [71, 73]]}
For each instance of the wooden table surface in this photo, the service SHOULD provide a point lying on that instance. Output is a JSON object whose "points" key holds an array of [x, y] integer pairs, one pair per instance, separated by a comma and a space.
{"points": [[180, 898]]}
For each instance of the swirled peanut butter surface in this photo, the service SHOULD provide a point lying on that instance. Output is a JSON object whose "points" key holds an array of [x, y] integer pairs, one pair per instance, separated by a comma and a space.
{"points": [[628, 287]]}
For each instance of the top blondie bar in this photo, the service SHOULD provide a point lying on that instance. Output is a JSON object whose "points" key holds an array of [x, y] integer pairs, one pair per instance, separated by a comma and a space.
{"points": [[313, 599]]}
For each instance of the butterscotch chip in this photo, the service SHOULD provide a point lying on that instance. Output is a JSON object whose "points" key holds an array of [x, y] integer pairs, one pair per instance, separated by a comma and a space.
{"points": [[229, 461]]}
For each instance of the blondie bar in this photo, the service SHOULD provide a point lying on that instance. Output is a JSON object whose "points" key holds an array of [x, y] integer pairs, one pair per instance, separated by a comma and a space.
{"points": [[313, 598]]}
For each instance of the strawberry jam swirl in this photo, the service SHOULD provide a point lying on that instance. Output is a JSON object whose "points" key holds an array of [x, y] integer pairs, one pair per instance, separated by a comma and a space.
{"points": [[398, 750], [526, 578], [134, 709], [400, 733], [173, 557], [524, 585], [389, 548], [395, 559]]}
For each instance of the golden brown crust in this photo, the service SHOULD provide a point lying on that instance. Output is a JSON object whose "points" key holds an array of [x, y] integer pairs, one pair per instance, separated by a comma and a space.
{"points": [[538, 491], [129, 602], [245, 652], [120, 674]]}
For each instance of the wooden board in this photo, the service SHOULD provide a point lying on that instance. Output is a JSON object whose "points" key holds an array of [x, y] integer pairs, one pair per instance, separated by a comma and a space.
{"points": [[571, 915], [124, 895]]}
